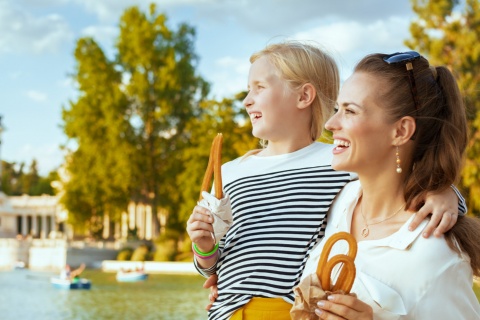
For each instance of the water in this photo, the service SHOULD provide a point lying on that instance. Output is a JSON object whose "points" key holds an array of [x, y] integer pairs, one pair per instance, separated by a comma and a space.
{"points": [[29, 295]]}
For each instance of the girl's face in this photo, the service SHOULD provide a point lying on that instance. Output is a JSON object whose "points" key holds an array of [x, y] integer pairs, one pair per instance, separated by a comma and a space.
{"points": [[270, 103], [363, 136]]}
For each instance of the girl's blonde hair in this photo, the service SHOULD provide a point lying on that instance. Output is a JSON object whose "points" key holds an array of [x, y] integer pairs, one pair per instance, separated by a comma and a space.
{"points": [[300, 63]]}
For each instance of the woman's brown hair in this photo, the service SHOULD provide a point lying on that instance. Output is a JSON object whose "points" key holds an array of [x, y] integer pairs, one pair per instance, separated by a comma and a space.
{"points": [[440, 139]]}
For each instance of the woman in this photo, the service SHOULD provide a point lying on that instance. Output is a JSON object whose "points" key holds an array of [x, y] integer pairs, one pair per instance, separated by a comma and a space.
{"points": [[401, 126]]}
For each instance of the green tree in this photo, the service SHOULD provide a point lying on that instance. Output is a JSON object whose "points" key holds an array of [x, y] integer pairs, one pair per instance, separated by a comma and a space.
{"points": [[99, 169], [448, 32], [163, 91]]}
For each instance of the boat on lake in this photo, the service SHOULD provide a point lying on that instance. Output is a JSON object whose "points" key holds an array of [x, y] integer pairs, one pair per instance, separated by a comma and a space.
{"points": [[131, 276], [69, 284]]}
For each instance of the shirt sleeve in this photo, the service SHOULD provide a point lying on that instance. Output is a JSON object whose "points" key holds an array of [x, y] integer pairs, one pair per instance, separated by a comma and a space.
{"points": [[209, 271], [450, 296], [462, 205]]}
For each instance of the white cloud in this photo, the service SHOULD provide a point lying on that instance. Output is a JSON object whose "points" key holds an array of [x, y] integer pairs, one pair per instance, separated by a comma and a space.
{"points": [[37, 95], [22, 32], [229, 76], [349, 41]]}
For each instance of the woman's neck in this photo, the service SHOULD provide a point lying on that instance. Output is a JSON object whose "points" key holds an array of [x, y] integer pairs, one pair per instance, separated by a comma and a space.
{"points": [[381, 197]]}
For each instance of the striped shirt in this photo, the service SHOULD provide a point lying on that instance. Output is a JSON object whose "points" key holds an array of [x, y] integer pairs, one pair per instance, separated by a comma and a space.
{"points": [[279, 204]]}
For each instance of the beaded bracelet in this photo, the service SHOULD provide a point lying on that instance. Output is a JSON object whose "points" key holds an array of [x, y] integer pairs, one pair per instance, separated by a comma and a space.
{"points": [[204, 255]]}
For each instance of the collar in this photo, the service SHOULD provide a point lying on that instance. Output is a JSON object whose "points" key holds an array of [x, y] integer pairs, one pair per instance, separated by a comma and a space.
{"points": [[401, 240]]}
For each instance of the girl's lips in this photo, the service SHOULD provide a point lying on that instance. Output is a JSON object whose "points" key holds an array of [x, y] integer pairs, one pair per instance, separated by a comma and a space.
{"points": [[341, 146], [254, 116]]}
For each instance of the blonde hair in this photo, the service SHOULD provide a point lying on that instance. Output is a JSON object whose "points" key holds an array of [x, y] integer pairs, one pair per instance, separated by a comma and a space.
{"points": [[300, 63]]}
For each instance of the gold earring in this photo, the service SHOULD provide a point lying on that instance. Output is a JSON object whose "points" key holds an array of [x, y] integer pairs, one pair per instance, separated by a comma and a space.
{"points": [[397, 154]]}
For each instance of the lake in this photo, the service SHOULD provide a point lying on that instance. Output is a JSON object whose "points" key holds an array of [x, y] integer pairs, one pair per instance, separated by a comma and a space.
{"points": [[29, 295]]}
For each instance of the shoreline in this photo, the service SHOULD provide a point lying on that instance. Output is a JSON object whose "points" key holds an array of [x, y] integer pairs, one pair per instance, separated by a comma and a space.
{"points": [[169, 267]]}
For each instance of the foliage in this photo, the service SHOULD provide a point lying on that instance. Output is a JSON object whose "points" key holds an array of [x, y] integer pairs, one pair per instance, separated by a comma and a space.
{"points": [[141, 253], [15, 181], [142, 125], [448, 32], [125, 254]]}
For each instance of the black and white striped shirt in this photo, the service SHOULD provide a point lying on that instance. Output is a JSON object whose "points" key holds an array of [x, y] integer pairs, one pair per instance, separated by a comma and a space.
{"points": [[279, 204]]}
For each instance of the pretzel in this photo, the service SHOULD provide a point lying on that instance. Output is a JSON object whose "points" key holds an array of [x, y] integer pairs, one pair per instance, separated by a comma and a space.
{"points": [[347, 274], [214, 168]]}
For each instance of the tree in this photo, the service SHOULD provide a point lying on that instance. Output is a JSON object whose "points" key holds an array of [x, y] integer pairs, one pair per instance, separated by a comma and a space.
{"points": [[99, 169], [163, 91], [448, 32]]}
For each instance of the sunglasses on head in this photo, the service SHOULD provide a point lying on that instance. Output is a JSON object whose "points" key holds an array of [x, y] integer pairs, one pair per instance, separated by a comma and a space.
{"points": [[406, 58]]}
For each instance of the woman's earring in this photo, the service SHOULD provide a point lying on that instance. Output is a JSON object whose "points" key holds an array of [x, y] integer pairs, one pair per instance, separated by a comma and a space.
{"points": [[397, 154]]}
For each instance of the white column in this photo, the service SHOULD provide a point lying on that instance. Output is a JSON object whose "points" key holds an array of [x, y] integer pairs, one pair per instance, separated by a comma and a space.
{"points": [[24, 225], [106, 226], [44, 233], [53, 225], [131, 215], [140, 226], [34, 226], [148, 223], [124, 226]]}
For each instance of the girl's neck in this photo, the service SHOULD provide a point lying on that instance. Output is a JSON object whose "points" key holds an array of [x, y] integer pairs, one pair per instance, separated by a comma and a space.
{"points": [[275, 148]]}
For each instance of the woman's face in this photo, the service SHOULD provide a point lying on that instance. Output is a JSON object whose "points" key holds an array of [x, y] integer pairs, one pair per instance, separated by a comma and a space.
{"points": [[363, 135]]}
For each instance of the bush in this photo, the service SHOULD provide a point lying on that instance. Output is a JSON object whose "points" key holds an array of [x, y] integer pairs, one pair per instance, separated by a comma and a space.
{"points": [[125, 254], [141, 253], [166, 250]]}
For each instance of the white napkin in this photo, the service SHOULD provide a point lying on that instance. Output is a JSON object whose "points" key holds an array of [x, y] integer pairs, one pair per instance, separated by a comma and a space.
{"points": [[221, 212]]}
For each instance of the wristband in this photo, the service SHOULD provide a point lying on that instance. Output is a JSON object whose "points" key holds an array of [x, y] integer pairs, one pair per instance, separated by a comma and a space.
{"points": [[204, 255]]}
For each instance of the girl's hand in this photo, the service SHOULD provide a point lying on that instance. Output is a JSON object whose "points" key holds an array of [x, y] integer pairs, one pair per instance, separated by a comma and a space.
{"points": [[211, 283], [200, 229], [444, 209], [344, 306]]}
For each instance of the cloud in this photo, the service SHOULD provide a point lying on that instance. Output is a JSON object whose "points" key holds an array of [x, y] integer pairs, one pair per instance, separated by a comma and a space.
{"points": [[289, 16], [22, 32], [37, 95], [229, 76], [349, 41]]}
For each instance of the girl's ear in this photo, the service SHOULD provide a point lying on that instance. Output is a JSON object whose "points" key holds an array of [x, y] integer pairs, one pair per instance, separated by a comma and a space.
{"points": [[307, 95], [404, 130]]}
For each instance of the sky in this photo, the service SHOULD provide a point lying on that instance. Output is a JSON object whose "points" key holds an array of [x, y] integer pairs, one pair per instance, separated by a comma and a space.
{"points": [[38, 38]]}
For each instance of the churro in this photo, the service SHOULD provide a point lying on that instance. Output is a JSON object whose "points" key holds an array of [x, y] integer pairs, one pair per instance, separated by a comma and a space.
{"points": [[347, 274], [214, 168]]}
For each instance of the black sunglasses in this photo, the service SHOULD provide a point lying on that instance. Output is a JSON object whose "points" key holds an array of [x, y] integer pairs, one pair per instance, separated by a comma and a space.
{"points": [[407, 58]]}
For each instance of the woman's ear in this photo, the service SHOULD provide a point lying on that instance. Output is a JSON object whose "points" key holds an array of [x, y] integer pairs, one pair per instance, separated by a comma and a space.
{"points": [[307, 95], [404, 130]]}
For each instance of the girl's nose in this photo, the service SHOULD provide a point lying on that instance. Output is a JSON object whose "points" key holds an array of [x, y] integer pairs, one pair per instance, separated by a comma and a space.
{"points": [[248, 101]]}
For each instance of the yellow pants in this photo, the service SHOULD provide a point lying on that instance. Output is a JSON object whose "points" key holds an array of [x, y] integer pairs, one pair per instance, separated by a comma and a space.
{"points": [[264, 309]]}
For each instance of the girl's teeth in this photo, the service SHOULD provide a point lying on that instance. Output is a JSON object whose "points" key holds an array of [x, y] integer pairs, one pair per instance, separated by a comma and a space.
{"points": [[341, 143]]}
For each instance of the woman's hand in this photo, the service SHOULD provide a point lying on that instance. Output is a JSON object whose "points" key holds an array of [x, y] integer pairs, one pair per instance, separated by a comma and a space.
{"points": [[344, 306], [444, 209]]}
